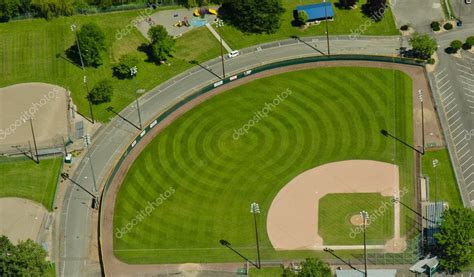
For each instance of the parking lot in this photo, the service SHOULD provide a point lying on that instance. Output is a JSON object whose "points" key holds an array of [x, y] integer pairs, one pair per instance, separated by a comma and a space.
{"points": [[454, 83]]}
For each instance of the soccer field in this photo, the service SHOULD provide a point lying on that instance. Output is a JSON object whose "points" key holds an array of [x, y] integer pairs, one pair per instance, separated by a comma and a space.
{"points": [[243, 146]]}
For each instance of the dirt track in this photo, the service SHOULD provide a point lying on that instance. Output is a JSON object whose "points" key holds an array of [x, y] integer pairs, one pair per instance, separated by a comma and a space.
{"points": [[114, 267]]}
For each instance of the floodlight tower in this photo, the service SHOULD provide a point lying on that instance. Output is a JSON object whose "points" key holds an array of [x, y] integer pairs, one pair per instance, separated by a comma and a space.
{"points": [[255, 209]]}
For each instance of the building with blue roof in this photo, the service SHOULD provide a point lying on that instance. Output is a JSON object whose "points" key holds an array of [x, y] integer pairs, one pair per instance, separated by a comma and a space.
{"points": [[317, 12]]}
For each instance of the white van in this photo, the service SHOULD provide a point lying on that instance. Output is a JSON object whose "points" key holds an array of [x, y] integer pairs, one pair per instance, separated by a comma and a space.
{"points": [[234, 53]]}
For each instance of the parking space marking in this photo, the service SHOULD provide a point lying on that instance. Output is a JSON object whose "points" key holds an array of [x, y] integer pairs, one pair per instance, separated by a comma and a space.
{"points": [[459, 126], [459, 150], [467, 84], [467, 152], [451, 94], [453, 115], [445, 83], [460, 140], [450, 125], [469, 176], [467, 168], [470, 158], [462, 65], [441, 72], [450, 101]]}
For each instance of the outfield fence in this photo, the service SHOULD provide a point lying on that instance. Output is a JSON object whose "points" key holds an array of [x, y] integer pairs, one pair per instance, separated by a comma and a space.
{"points": [[381, 258]]}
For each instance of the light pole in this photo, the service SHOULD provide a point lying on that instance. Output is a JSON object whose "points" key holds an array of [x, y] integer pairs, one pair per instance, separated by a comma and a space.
{"points": [[420, 95], [365, 216], [435, 166], [327, 28], [219, 24], [94, 197], [133, 72], [255, 209], [87, 142], [34, 140], [73, 29]]}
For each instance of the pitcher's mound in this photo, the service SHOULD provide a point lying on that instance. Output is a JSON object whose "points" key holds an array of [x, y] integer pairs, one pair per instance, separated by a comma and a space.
{"points": [[357, 220]]}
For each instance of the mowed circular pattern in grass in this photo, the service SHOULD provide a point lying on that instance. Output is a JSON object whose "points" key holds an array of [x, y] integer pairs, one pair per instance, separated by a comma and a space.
{"points": [[332, 114]]}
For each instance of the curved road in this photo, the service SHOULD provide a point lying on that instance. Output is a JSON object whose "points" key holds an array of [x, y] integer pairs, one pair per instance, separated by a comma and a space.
{"points": [[110, 139]]}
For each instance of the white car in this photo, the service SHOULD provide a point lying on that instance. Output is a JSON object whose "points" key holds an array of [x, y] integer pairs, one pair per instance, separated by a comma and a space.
{"points": [[468, 1], [234, 53]]}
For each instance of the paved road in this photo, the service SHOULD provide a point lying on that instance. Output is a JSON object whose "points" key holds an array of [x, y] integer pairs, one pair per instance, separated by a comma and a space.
{"points": [[107, 142]]}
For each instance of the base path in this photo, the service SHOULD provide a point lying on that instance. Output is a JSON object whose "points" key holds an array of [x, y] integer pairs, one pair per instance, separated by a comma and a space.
{"points": [[292, 221]]}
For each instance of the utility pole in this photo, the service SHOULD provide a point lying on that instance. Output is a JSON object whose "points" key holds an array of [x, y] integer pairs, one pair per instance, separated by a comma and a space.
{"points": [[133, 72], [73, 29], [219, 24], [365, 216], [87, 142], [255, 209], [34, 140], [94, 197]]}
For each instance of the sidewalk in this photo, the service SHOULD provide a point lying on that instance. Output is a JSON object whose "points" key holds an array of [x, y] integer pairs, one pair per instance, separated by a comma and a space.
{"points": [[218, 37]]}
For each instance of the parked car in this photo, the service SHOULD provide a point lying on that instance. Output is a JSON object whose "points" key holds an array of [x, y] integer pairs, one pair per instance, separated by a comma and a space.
{"points": [[234, 53], [468, 1]]}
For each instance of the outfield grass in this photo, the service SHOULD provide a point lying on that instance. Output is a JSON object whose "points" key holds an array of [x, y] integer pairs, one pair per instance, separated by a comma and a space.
{"points": [[447, 188], [333, 114], [346, 21], [336, 210], [21, 177], [29, 49]]}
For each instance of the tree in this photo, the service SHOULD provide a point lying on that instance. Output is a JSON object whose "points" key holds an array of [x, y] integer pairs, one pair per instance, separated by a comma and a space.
{"points": [[122, 69], [309, 267], [423, 45], [470, 41], [252, 16], [52, 8], [25, 259], [8, 9], [375, 9], [347, 3], [301, 17], [454, 239], [102, 92], [92, 45], [455, 45], [162, 44]]}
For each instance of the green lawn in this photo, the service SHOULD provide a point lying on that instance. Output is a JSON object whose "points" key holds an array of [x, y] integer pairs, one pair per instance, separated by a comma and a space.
{"points": [[333, 114], [345, 22], [29, 49], [21, 177], [265, 272], [446, 185], [334, 220]]}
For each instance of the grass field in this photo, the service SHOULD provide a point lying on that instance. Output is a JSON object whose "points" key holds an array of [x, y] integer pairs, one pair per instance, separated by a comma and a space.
{"points": [[265, 272], [336, 210], [29, 49], [447, 188], [345, 22], [333, 114], [21, 177]]}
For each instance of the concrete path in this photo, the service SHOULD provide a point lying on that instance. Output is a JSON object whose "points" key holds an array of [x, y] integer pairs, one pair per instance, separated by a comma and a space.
{"points": [[218, 37]]}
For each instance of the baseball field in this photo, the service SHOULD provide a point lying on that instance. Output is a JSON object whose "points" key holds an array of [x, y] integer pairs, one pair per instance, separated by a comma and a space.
{"points": [[192, 186]]}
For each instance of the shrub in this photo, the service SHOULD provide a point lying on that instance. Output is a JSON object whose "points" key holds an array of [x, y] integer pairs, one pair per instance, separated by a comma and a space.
{"points": [[122, 69], [448, 26], [301, 17], [102, 92], [435, 26], [470, 40], [466, 46], [404, 28], [456, 45], [430, 60]]}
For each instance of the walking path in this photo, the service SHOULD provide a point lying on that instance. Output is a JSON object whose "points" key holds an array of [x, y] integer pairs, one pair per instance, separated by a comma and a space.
{"points": [[219, 38]]}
